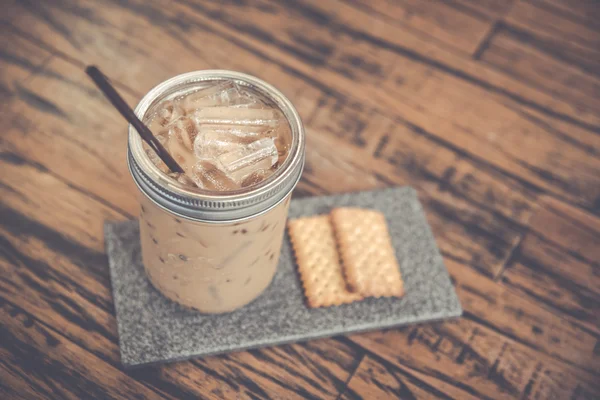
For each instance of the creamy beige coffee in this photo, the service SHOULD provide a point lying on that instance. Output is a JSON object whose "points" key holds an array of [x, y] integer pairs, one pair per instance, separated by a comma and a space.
{"points": [[213, 268], [211, 237]]}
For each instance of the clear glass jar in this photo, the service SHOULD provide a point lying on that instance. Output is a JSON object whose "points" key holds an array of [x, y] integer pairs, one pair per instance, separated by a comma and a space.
{"points": [[213, 251]]}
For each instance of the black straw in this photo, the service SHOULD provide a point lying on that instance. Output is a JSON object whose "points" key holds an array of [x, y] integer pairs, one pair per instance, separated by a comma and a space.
{"points": [[111, 94]]}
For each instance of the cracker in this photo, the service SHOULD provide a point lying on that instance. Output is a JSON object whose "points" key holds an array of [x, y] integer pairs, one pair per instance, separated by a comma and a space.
{"points": [[318, 262], [368, 257]]}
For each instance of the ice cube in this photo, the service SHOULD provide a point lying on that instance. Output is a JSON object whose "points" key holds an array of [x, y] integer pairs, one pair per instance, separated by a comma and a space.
{"points": [[240, 163], [181, 142], [255, 177], [167, 112], [223, 94], [247, 103], [238, 116], [245, 133], [156, 160], [244, 99], [206, 175], [184, 131], [183, 156], [282, 142], [237, 97], [163, 139], [205, 97], [212, 141]]}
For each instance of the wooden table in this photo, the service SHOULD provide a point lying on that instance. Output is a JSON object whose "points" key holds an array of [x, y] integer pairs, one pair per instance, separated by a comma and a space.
{"points": [[490, 109]]}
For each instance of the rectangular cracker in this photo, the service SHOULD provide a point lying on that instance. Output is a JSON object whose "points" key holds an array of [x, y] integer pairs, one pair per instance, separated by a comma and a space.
{"points": [[368, 257], [318, 262]]}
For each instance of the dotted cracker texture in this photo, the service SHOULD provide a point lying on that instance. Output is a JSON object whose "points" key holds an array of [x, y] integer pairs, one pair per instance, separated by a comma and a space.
{"points": [[367, 253], [318, 262], [153, 329]]}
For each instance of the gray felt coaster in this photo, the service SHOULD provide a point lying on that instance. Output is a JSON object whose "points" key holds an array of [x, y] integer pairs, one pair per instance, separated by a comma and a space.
{"points": [[154, 329]]}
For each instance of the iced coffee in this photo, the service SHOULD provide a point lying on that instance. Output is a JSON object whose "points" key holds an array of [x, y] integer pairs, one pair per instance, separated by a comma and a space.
{"points": [[224, 136], [211, 236]]}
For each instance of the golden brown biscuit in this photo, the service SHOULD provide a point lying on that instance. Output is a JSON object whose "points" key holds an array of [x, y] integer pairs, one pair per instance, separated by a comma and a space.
{"points": [[318, 262], [368, 258]]}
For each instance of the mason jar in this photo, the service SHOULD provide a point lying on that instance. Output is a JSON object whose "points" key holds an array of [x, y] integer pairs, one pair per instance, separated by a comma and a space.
{"points": [[213, 251]]}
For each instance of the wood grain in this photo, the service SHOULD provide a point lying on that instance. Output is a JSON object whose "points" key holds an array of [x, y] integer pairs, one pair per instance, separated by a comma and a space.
{"points": [[452, 109], [19, 59], [377, 380], [523, 321], [61, 277], [538, 67], [488, 108], [565, 38], [40, 363], [476, 362], [585, 12], [495, 140], [474, 214], [557, 263], [435, 20], [492, 9], [411, 156], [136, 17], [72, 131]]}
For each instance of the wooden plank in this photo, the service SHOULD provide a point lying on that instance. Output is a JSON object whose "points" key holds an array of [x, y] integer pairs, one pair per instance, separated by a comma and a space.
{"points": [[535, 66], [159, 25], [584, 11], [343, 168], [337, 20], [72, 213], [559, 35], [557, 263], [41, 363], [453, 110], [454, 106], [474, 359], [19, 58], [10, 10], [125, 35], [292, 372], [504, 310], [501, 310], [476, 214], [54, 294], [458, 185], [569, 135], [538, 327], [526, 321], [60, 276], [374, 380], [392, 159], [333, 116], [315, 370], [460, 115], [435, 20], [492, 9], [61, 113]]}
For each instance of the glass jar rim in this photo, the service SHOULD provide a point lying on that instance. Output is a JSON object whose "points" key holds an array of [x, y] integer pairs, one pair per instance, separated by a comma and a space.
{"points": [[210, 205]]}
